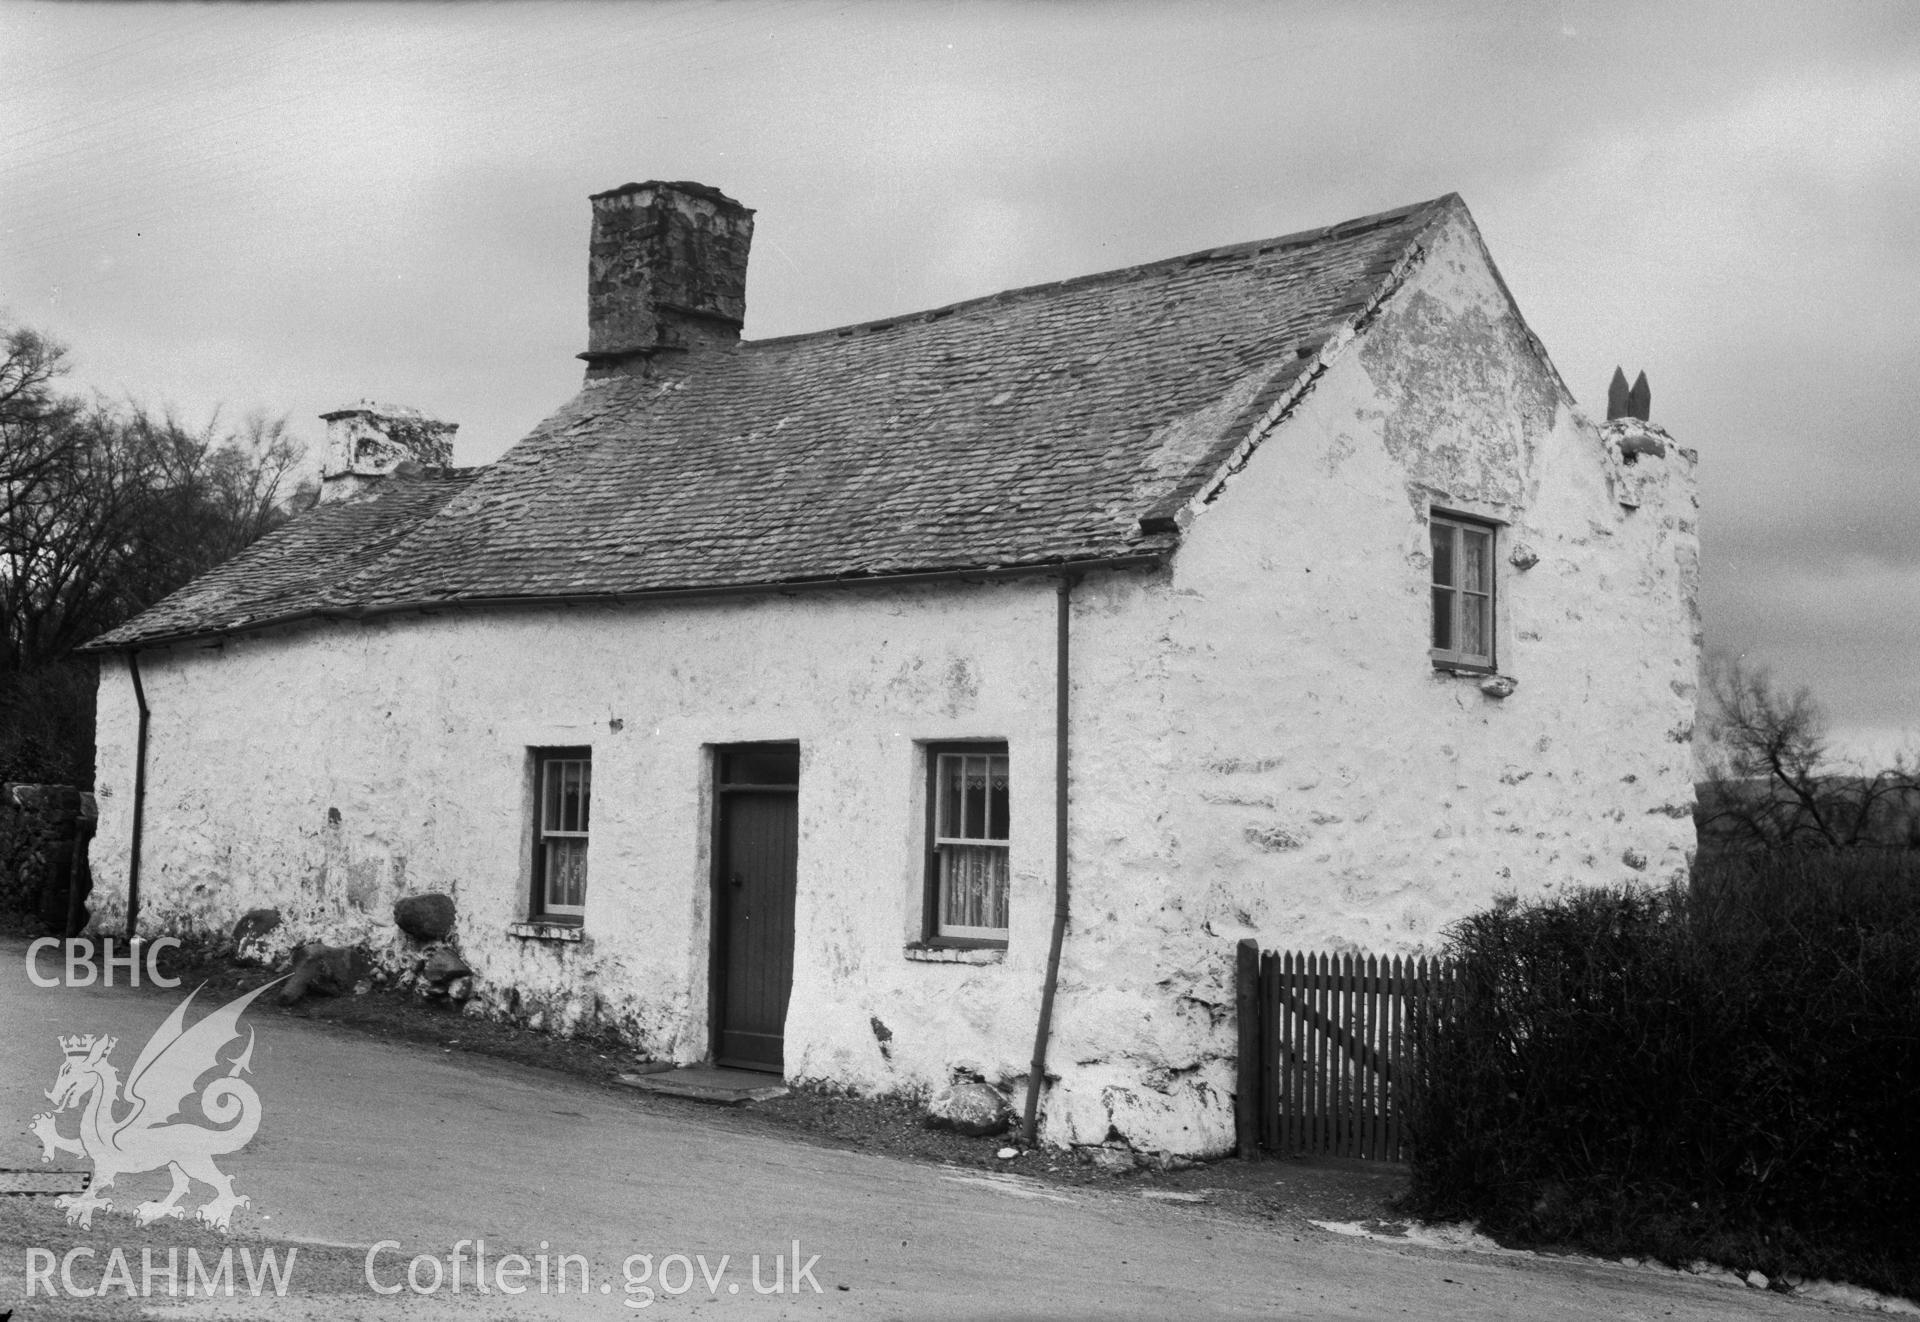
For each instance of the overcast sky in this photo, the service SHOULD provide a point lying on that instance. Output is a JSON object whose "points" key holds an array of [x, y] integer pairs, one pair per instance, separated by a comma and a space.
{"points": [[290, 208]]}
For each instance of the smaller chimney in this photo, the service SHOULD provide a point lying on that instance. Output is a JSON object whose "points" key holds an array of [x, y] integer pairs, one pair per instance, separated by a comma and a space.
{"points": [[666, 271], [370, 441]]}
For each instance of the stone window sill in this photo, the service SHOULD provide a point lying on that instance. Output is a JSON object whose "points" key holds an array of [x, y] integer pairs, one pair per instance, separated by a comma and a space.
{"points": [[1491, 682], [955, 954], [546, 931]]}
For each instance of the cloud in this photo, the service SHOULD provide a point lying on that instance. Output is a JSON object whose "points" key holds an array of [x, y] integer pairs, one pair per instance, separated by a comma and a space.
{"points": [[1848, 632], [296, 206]]}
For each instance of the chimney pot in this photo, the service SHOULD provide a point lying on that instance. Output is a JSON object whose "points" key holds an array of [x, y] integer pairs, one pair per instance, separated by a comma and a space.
{"points": [[666, 270], [1625, 401], [1640, 399]]}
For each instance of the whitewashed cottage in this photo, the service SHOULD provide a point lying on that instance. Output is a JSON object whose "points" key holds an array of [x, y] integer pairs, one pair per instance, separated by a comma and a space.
{"points": [[777, 702]]}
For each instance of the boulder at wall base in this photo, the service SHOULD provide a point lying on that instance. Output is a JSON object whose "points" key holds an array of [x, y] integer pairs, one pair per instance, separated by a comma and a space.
{"points": [[254, 924], [1115, 1157], [425, 917], [323, 971], [974, 1109], [444, 966]]}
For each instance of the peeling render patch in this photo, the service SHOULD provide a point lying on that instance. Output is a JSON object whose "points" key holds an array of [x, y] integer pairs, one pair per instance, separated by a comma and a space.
{"points": [[1634, 452], [1234, 765], [1273, 838], [1293, 391], [1435, 369], [1239, 800]]}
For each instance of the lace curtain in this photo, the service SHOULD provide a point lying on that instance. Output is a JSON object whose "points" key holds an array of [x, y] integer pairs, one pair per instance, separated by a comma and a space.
{"points": [[973, 886]]}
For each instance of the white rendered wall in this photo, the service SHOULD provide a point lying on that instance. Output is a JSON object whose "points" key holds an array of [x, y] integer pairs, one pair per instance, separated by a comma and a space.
{"points": [[328, 771]]}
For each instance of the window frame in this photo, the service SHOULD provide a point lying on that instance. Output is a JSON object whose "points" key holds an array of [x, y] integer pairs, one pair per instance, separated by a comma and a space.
{"points": [[539, 908], [1459, 658], [933, 931]]}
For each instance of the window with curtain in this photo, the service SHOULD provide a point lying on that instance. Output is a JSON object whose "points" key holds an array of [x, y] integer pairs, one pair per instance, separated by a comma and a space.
{"points": [[967, 889], [563, 793]]}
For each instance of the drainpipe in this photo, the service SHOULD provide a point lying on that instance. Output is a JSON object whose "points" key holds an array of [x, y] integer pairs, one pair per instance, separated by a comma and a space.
{"points": [[139, 796], [1037, 1075]]}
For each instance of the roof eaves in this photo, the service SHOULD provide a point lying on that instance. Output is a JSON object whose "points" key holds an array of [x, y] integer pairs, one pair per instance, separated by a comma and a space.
{"points": [[1154, 552], [128, 636]]}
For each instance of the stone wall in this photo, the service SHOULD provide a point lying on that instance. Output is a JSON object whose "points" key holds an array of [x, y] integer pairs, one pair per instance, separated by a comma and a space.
{"points": [[40, 828], [667, 268]]}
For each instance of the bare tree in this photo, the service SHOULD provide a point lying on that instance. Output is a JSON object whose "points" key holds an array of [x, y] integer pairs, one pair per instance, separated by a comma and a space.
{"points": [[105, 509], [34, 416], [1772, 781], [172, 501]]}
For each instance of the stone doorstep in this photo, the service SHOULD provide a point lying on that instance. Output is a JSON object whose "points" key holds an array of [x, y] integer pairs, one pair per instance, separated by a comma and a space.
{"points": [[706, 1083]]}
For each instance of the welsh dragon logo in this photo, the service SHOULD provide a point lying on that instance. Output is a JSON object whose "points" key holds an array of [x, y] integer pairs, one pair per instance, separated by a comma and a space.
{"points": [[125, 1132]]}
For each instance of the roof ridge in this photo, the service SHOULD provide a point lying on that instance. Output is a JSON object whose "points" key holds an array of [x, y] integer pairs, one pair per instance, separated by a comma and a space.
{"points": [[1299, 238]]}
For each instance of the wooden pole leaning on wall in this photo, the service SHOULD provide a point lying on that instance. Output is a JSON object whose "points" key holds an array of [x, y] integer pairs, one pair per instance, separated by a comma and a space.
{"points": [[1246, 1008]]}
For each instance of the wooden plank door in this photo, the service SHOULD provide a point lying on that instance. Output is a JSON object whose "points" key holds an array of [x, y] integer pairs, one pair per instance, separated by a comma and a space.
{"points": [[758, 846]]}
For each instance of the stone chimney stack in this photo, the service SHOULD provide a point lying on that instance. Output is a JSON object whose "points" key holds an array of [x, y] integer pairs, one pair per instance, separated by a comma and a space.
{"points": [[667, 271], [370, 441]]}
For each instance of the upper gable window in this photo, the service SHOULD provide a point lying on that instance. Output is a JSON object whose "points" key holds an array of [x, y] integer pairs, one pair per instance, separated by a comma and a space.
{"points": [[1463, 591]]}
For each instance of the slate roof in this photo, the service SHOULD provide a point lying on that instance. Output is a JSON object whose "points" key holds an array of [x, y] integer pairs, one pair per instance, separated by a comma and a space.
{"points": [[1059, 424], [286, 573]]}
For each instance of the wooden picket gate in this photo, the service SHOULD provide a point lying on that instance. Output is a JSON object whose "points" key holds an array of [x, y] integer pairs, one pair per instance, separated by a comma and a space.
{"points": [[1326, 1048]]}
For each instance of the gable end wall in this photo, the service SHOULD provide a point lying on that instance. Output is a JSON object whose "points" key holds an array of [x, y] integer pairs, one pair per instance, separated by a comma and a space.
{"points": [[1296, 771]]}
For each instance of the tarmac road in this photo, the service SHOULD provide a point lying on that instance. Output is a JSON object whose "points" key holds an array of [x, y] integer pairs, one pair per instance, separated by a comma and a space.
{"points": [[363, 1141]]}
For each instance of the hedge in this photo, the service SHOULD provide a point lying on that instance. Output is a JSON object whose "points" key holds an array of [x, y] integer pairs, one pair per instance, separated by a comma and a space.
{"points": [[1727, 1070]]}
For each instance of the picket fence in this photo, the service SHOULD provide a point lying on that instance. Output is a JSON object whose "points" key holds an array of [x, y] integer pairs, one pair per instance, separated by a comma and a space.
{"points": [[1327, 1044]]}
